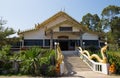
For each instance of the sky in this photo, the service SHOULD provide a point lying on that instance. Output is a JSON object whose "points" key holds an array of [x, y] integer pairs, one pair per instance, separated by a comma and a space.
{"points": [[24, 14]]}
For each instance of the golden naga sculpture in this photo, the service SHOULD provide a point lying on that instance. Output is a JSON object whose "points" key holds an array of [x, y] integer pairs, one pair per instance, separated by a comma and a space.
{"points": [[101, 60], [59, 54], [59, 58]]}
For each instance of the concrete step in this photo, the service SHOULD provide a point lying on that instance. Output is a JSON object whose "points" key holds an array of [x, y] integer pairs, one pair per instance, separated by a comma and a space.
{"points": [[73, 63], [70, 53]]}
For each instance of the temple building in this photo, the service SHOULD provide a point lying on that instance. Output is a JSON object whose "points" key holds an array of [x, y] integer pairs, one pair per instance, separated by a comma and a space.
{"points": [[60, 28]]}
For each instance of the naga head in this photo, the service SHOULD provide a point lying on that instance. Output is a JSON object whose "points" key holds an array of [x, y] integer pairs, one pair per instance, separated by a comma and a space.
{"points": [[80, 49], [103, 49]]}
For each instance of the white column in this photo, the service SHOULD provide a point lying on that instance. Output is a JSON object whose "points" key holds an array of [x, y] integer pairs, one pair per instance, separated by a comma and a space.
{"points": [[23, 43], [43, 42], [105, 68], [81, 42]]}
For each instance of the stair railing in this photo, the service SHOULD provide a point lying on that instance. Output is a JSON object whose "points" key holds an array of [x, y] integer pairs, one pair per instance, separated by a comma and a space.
{"points": [[100, 66]]}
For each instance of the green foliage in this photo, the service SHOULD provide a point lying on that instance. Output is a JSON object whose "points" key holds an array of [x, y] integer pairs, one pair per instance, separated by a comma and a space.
{"points": [[92, 22], [92, 48], [36, 61], [114, 35], [5, 59], [111, 10], [108, 14], [30, 60], [4, 32], [114, 57], [5, 53], [109, 23], [113, 47]]}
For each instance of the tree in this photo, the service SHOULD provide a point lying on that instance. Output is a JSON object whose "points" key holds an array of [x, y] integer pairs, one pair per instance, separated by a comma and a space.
{"points": [[92, 21], [108, 14], [4, 32], [110, 22], [97, 23], [86, 20], [115, 24]]}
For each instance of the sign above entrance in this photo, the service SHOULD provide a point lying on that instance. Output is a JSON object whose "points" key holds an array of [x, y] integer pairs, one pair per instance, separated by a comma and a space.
{"points": [[63, 37]]}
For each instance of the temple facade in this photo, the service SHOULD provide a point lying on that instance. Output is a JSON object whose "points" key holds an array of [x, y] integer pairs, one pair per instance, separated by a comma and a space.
{"points": [[60, 28]]}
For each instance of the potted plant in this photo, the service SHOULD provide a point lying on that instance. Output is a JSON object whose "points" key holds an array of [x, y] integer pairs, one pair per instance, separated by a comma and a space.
{"points": [[112, 69]]}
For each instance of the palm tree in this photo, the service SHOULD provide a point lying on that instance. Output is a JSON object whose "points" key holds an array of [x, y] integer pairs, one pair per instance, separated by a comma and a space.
{"points": [[30, 61]]}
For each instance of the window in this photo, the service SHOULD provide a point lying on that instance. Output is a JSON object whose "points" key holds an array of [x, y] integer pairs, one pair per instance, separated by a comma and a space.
{"points": [[91, 42], [47, 42], [72, 43], [65, 29], [33, 42]]}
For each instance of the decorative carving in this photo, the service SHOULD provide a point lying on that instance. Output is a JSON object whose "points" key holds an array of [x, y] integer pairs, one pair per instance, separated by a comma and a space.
{"points": [[101, 60], [60, 58]]}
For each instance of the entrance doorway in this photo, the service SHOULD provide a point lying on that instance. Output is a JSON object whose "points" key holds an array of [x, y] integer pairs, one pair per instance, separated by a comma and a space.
{"points": [[63, 45]]}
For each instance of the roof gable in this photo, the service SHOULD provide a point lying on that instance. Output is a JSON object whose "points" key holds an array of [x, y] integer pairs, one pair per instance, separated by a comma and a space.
{"points": [[55, 17], [66, 22], [52, 19]]}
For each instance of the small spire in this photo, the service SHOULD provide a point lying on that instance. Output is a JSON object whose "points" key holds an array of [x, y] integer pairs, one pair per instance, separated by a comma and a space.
{"points": [[64, 9]]}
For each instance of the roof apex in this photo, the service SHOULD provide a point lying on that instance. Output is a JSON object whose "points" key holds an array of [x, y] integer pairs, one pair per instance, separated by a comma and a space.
{"points": [[60, 13]]}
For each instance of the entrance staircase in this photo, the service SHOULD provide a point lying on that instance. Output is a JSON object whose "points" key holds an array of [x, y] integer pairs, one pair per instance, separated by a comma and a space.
{"points": [[73, 63]]}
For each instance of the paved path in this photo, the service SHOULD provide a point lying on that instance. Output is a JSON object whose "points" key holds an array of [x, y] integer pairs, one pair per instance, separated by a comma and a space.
{"points": [[75, 67]]}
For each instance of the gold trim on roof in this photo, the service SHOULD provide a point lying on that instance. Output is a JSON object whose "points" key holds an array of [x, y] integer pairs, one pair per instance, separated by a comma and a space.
{"points": [[55, 17], [26, 31], [69, 20], [66, 22]]}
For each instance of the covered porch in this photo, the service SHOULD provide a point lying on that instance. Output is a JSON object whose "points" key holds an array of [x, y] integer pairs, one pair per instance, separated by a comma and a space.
{"points": [[68, 41]]}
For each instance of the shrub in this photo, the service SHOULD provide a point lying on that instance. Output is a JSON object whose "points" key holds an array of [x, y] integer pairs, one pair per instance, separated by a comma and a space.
{"points": [[92, 48], [113, 47], [114, 57], [5, 62], [36, 61]]}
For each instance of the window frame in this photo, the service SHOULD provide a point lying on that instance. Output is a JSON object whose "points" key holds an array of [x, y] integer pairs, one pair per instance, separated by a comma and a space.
{"points": [[66, 29]]}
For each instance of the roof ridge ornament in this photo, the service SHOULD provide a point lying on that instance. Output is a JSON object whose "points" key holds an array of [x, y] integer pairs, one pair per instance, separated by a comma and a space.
{"points": [[62, 9]]}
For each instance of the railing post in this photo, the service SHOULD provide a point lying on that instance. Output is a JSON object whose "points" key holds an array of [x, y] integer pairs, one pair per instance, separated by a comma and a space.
{"points": [[105, 68], [94, 66]]}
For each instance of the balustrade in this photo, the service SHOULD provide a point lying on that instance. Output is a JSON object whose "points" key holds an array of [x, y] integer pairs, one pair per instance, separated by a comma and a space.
{"points": [[95, 66]]}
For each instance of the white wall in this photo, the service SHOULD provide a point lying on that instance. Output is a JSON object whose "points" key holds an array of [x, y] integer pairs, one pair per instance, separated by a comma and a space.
{"points": [[36, 34], [56, 21], [89, 36], [40, 34]]}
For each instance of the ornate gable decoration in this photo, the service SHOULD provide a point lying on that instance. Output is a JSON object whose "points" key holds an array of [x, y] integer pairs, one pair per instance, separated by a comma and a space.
{"points": [[69, 20], [59, 14]]}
